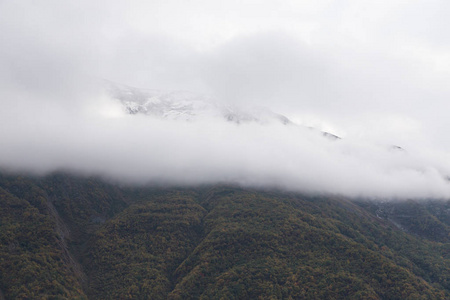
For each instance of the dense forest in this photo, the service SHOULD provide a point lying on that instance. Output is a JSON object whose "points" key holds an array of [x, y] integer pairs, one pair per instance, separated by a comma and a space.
{"points": [[69, 237]]}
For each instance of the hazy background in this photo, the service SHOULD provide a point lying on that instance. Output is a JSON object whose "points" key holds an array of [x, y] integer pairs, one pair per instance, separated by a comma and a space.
{"points": [[373, 72]]}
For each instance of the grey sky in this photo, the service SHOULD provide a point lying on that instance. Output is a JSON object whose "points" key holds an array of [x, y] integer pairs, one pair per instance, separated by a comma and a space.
{"points": [[374, 72]]}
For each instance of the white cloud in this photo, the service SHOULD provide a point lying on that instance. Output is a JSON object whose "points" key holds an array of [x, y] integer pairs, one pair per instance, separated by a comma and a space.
{"points": [[377, 72]]}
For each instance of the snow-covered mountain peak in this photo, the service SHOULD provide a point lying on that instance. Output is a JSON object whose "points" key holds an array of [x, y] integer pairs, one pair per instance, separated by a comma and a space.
{"points": [[188, 106]]}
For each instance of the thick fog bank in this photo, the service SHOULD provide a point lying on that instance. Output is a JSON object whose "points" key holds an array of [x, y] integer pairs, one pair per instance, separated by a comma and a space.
{"points": [[143, 149], [373, 73]]}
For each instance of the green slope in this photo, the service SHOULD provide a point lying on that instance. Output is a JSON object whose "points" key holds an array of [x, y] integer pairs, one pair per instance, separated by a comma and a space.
{"points": [[82, 237], [34, 260]]}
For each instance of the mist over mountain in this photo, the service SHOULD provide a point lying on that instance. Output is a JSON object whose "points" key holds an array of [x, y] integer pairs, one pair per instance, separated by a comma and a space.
{"points": [[171, 149], [187, 106], [272, 77], [155, 136]]}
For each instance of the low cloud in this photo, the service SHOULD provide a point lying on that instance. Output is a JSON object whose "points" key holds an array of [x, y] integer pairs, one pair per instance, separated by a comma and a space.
{"points": [[143, 149], [319, 64]]}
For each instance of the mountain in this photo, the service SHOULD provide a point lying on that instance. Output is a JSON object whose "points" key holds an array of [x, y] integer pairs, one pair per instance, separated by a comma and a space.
{"points": [[188, 106], [69, 237]]}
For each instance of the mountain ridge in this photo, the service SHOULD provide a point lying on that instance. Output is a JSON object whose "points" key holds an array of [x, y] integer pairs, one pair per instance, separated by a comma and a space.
{"points": [[190, 106], [209, 242]]}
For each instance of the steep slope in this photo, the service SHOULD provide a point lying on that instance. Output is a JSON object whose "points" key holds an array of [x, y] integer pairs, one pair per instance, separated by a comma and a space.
{"points": [[428, 219], [100, 241], [133, 255], [34, 260], [263, 245]]}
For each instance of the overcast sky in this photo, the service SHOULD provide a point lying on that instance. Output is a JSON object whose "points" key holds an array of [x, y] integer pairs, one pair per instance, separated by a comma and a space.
{"points": [[374, 72]]}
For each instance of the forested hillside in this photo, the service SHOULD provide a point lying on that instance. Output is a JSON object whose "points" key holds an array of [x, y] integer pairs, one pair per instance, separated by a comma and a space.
{"points": [[68, 237]]}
